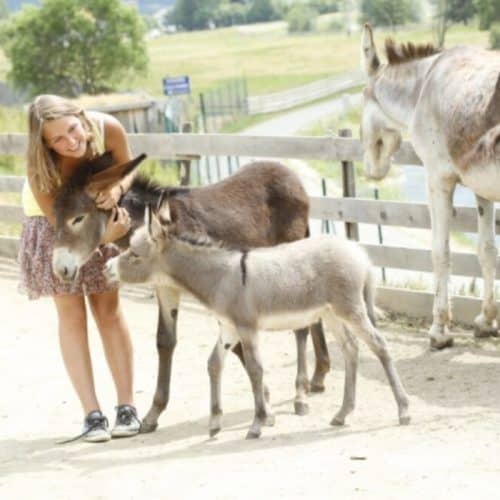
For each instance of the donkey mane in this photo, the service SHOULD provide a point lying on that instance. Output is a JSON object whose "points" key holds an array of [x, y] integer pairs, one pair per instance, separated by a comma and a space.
{"points": [[399, 53], [199, 240], [143, 190]]}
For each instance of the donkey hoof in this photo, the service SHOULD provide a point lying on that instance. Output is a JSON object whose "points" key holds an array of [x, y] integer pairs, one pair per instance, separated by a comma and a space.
{"points": [[439, 342], [213, 432], [253, 434], [301, 408], [270, 420], [482, 334], [317, 387], [336, 421], [146, 427], [404, 420], [484, 331]]}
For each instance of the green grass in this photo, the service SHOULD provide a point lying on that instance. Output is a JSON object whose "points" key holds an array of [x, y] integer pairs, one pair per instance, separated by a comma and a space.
{"points": [[269, 57], [271, 60], [160, 171], [266, 55]]}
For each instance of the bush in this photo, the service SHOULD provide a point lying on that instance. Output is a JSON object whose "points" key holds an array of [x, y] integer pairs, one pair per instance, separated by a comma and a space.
{"points": [[337, 26], [495, 36], [301, 18], [325, 6], [230, 14]]}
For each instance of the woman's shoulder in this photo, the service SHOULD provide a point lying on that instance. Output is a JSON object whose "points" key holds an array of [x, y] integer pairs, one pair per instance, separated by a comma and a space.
{"points": [[114, 134], [109, 121], [110, 127]]}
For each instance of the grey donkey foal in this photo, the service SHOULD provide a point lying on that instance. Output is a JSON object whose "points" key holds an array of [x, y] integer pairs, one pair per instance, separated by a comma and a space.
{"points": [[287, 286]]}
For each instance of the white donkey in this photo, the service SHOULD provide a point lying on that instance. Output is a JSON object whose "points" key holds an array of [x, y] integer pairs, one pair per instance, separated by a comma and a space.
{"points": [[449, 101], [287, 286]]}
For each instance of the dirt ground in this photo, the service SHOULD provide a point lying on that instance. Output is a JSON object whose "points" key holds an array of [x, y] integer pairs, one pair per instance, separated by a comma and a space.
{"points": [[450, 450]]}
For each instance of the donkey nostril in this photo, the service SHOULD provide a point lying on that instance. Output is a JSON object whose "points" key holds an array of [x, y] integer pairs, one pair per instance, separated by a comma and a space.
{"points": [[65, 271]]}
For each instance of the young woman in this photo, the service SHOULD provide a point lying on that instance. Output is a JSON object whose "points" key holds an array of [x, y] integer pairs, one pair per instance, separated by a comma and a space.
{"points": [[61, 137]]}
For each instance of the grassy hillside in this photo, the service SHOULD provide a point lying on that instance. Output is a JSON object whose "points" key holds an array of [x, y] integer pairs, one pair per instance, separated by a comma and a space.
{"points": [[270, 59], [265, 54]]}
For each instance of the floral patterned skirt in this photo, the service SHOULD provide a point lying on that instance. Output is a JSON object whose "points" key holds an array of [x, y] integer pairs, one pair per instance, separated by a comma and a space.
{"points": [[35, 260]]}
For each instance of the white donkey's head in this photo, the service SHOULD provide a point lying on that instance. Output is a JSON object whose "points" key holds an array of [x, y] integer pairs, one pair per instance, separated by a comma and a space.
{"points": [[379, 134], [141, 261]]}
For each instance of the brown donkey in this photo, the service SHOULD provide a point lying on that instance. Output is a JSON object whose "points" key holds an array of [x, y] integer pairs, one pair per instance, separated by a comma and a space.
{"points": [[261, 205]]}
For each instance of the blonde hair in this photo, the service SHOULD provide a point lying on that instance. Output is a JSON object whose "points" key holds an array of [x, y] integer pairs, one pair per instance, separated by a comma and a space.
{"points": [[41, 159]]}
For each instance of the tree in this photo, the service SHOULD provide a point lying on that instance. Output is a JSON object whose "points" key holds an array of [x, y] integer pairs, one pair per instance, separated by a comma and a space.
{"points": [[261, 11], [230, 13], [74, 46], [301, 18], [460, 11], [4, 9], [388, 12], [193, 14], [449, 12], [495, 36], [488, 12]]}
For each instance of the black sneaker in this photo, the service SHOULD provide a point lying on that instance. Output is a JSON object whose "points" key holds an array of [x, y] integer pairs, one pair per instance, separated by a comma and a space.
{"points": [[95, 428], [127, 422]]}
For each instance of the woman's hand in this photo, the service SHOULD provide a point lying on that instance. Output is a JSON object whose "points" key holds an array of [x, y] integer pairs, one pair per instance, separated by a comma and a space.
{"points": [[118, 225], [109, 198]]}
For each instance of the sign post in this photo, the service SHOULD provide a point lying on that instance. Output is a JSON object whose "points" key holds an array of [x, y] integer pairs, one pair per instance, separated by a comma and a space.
{"points": [[176, 85]]}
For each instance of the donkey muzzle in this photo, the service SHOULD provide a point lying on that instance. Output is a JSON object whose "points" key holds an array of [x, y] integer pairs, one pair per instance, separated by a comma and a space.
{"points": [[65, 264], [110, 270]]}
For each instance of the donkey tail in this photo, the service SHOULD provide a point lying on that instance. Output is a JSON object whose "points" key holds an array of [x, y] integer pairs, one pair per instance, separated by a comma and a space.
{"points": [[369, 297]]}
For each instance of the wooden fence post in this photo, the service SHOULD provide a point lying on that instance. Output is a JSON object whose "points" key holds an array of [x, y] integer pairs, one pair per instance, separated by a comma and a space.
{"points": [[184, 161], [203, 112], [349, 188]]}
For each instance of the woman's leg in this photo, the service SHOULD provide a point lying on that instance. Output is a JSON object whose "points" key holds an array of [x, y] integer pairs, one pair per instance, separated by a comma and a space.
{"points": [[75, 348], [116, 340]]}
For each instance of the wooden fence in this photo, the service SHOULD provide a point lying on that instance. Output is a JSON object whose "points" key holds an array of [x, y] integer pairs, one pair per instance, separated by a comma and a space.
{"points": [[348, 210], [287, 99]]}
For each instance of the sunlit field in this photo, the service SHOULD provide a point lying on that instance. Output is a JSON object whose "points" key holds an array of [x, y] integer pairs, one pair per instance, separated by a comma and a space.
{"points": [[265, 54]]}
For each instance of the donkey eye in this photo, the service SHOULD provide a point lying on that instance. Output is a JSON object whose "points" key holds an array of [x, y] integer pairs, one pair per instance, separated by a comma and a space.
{"points": [[78, 219]]}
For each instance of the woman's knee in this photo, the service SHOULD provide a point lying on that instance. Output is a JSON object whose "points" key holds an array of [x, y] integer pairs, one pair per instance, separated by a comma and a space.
{"points": [[71, 311], [105, 307]]}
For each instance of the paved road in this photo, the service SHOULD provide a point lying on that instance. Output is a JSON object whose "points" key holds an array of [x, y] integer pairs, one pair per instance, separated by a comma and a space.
{"points": [[291, 123]]}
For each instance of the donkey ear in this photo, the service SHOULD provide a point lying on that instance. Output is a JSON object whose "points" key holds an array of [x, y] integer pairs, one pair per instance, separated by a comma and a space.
{"points": [[164, 214], [163, 209], [369, 58], [107, 178], [155, 229]]}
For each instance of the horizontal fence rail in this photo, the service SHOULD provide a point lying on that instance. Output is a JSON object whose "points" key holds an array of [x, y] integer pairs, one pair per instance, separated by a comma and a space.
{"points": [[349, 210], [391, 213], [287, 99], [170, 146]]}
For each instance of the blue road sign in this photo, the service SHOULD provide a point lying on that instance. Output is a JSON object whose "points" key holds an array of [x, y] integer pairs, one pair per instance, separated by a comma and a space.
{"points": [[176, 85]]}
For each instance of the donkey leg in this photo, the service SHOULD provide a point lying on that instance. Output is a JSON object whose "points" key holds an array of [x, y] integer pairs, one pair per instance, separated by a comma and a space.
{"points": [[238, 351], [322, 357], [226, 341], [253, 363], [301, 381], [440, 197], [485, 324], [166, 340], [349, 346], [362, 326]]}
